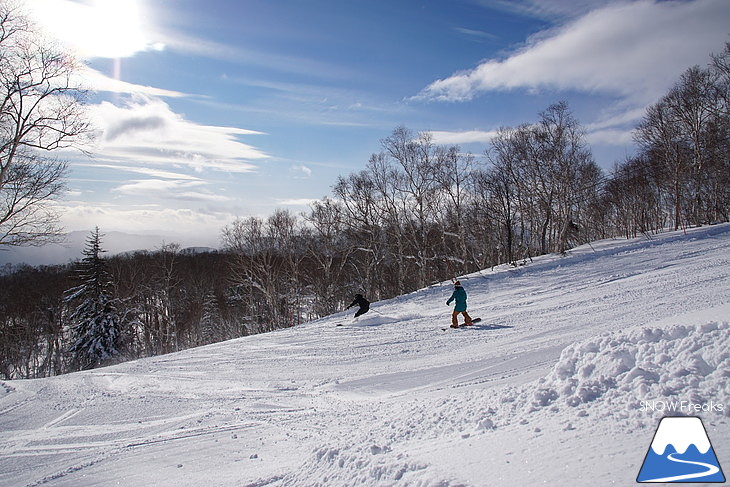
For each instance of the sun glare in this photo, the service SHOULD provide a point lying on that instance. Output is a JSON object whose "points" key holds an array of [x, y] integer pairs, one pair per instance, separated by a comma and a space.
{"points": [[119, 27], [101, 28]]}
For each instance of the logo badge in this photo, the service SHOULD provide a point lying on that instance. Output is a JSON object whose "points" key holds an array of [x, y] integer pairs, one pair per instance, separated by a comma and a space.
{"points": [[680, 452]]}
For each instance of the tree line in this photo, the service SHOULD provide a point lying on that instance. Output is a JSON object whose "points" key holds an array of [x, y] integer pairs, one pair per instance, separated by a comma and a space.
{"points": [[416, 214]]}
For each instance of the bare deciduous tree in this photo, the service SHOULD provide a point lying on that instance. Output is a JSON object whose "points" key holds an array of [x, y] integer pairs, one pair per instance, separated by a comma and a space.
{"points": [[41, 111], [686, 132], [499, 185]]}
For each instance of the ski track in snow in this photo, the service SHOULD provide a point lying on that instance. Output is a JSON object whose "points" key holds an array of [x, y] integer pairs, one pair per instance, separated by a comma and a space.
{"points": [[549, 393]]}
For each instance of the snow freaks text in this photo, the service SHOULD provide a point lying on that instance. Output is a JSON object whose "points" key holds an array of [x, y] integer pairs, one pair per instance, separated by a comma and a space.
{"points": [[687, 407]]}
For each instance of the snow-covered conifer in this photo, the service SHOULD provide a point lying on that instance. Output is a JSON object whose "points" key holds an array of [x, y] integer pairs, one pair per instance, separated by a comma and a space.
{"points": [[96, 326]]}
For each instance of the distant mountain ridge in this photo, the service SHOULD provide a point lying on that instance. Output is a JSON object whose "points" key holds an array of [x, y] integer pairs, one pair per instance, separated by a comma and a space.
{"points": [[112, 242]]}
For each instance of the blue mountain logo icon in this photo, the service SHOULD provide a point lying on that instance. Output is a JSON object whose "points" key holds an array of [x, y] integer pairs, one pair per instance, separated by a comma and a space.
{"points": [[681, 452]]}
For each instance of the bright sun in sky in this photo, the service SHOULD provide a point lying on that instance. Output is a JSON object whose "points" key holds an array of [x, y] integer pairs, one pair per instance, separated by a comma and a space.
{"points": [[100, 28]]}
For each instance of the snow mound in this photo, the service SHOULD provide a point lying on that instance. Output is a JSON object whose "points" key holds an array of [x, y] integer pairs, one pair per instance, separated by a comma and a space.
{"points": [[675, 370], [609, 377], [638, 376], [365, 466]]}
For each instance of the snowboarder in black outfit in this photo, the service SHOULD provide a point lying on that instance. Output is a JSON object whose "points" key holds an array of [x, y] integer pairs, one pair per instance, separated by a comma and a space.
{"points": [[362, 302]]}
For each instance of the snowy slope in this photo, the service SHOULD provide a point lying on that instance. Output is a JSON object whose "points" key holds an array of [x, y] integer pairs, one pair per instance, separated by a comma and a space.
{"points": [[552, 388]]}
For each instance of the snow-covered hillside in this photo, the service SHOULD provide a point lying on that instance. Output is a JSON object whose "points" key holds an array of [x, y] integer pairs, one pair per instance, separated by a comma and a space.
{"points": [[562, 383]]}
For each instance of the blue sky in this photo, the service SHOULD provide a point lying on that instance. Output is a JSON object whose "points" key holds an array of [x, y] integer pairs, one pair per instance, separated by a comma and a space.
{"points": [[210, 110]]}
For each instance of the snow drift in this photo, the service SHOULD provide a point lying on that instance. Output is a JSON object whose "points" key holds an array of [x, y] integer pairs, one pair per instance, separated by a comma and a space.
{"points": [[563, 383]]}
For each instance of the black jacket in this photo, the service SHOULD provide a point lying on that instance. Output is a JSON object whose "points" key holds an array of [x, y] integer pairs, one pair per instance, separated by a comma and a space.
{"points": [[360, 301]]}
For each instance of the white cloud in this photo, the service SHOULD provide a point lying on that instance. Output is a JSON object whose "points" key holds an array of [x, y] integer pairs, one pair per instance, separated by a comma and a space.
{"points": [[615, 129], [185, 190], [154, 186], [604, 133], [474, 33], [147, 132], [623, 117], [198, 223], [155, 173], [614, 136], [92, 79], [634, 50], [546, 9], [297, 201], [466, 137], [182, 41], [300, 171]]}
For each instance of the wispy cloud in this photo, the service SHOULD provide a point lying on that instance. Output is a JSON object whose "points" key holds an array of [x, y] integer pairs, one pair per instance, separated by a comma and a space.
{"points": [[614, 129], [297, 201], [545, 9], [312, 104], [147, 132], [603, 133], [610, 136], [94, 80], [152, 172], [476, 34], [131, 125], [181, 41], [300, 171], [465, 137], [145, 218], [184, 190], [633, 50]]}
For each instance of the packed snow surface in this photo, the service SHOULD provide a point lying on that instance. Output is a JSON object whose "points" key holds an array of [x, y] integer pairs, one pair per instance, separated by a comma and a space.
{"points": [[564, 382]]}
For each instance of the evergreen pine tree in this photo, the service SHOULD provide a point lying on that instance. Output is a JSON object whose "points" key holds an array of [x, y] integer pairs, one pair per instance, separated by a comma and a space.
{"points": [[210, 321], [96, 326]]}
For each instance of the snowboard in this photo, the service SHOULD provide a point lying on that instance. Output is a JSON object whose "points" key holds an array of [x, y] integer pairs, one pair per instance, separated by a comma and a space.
{"points": [[475, 320]]}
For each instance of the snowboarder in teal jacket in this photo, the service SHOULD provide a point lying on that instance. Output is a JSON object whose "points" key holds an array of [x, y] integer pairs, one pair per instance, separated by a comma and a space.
{"points": [[459, 295]]}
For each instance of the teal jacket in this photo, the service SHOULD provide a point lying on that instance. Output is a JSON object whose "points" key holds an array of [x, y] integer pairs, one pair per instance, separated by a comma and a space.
{"points": [[459, 296]]}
